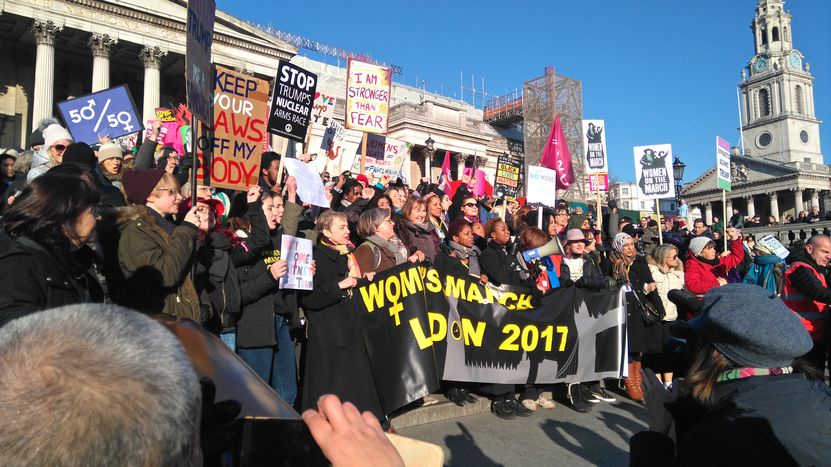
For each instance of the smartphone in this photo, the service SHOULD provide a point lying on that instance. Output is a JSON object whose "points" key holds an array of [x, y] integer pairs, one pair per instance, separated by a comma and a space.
{"points": [[276, 442]]}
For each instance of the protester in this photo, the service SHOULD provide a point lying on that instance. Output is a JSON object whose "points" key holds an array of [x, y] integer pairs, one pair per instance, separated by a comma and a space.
{"points": [[667, 270], [153, 252], [44, 258], [814, 215], [766, 270], [7, 174], [437, 215], [460, 257], [544, 272], [746, 399], [21, 168], [110, 159], [56, 139], [416, 231], [270, 172], [382, 249], [496, 261], [704, 269], [806, 293]]}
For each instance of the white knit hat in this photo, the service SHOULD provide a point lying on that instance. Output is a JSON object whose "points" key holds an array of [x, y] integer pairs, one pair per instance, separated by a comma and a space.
{"points": [[109, 151], [698, 244], [54, 133]]}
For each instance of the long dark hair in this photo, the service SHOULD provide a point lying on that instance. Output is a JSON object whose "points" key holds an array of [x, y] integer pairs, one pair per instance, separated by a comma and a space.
{"points": [[47, 209]]}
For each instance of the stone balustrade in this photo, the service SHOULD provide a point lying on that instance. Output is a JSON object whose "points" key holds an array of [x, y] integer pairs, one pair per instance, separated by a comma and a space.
{"points": [[790, 233]]}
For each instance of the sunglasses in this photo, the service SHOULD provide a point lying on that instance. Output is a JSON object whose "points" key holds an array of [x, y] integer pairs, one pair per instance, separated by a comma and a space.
{"points": [[60, 147], [467, 205]]}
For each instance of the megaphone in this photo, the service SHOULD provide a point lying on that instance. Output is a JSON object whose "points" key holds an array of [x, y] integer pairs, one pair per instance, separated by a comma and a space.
{"points": [[551, 248]]}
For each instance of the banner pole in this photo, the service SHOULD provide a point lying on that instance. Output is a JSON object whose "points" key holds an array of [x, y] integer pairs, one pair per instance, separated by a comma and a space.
{"points": [[724, 217], [539, 217], [505, 209], [363, 154], [282, 162], [308, 137], [598, 211], [658, 211], [194, 160]]}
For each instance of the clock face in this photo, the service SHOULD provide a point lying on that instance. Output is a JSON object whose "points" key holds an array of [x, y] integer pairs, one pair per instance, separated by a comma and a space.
{"points": [[803, 136], [795, 61], [760, 64]]}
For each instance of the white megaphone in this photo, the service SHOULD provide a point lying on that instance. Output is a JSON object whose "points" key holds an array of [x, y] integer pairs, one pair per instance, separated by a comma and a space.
{"points": [[551, 248]]}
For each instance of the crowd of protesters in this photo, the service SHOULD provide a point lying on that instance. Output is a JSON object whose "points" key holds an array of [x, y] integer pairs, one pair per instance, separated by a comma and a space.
{"points": [[85, 225]]}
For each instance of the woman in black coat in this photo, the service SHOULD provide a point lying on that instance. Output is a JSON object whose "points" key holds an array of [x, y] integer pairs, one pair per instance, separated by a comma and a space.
{"points": [[44, 258], [496, 262], [336, 359]]}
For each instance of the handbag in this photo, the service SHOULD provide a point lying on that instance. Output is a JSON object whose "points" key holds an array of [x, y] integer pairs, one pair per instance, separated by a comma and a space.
{"points": [[649, 312]]}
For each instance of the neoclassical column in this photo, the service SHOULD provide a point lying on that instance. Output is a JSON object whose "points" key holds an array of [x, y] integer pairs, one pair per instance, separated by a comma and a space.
{"points": [[460, 165], [814, 198], [774, 206], [152, 59], [708, 213], [751, 208], [44, 32], [99, 45], [797, 201], [728, 209]]}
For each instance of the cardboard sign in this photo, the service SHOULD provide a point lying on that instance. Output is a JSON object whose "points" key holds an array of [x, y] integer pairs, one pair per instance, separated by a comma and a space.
{"points": [[324, 108], [309, 184], [653, 172], [291, 104], [541, 183], [723, 164], [598, 182], [594, 140], [384, 156], [108, 112], [199, 75], [298, 253], [239, 112], [368, 89], [508, 171]]}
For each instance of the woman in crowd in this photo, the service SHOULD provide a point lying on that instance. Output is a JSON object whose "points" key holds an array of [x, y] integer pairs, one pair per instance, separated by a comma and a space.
{"points": [[110, 160], [544, 272], [382, 249], [746, 400], [496, 261], [766, 270], [418, 233], [7, 160], [436, 215], [462, 257], [668, 272], [154, 253], [631, 271], [704, 269], [44, 260], [336, 361], [55, 141]]}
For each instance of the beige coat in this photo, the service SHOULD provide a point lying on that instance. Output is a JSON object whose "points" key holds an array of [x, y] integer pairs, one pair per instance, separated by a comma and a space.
{"points": [[666, 281]]}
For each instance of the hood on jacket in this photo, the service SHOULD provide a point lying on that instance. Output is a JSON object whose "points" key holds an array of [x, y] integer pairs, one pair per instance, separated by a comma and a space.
{"points": [[41, 162]]}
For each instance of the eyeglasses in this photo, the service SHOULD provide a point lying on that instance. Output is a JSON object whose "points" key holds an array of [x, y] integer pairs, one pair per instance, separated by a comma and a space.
{"points": [[172, 191], [60, 147], [467, 205]]}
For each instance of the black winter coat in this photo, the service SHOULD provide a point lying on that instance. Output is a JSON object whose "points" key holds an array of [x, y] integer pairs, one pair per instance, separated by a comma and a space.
{"points": [[762, 420], [592, 276], [336, 359], [501, 267], [33, 278]]}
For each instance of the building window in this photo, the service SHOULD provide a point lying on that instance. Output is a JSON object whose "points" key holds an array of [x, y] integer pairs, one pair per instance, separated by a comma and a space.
{"points": [[799, 100], [785, 36], [764, 139], [764, 36], [764, 102], [624, 191], [775, 34], [803, 136]]}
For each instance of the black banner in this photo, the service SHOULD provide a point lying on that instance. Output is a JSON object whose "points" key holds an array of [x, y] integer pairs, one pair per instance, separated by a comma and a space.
{"points": [[292, 101], [420, 327]]}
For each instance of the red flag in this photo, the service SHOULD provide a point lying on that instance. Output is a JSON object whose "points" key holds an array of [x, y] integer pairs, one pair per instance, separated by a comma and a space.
{"points": [[444, 178], [556, 156]]}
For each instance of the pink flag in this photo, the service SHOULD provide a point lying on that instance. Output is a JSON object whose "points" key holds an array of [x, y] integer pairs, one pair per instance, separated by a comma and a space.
{"points": [[444, 178], [556, 156]]}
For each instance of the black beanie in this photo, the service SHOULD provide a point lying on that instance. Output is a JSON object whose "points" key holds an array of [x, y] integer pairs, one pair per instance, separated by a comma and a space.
{"points": [[138, 184], [81, 154], [36, 138]]}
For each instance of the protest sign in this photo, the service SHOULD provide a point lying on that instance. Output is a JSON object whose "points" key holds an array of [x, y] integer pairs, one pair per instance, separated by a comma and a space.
{"points": [[368, 89], [594, 140], [324, 108], [653, 171], [775, 246], [541, 186], [506, 183], [723, 164], [419, 326], [298, 254], [108, 112], [148, 132], [309, 185], [598, 181], [199, 74], [384, 156], [291, 104], [239, 112], [165, 115]]}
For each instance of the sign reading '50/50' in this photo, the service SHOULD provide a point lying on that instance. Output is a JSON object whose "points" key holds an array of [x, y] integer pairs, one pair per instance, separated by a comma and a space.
{"points": [[108, 112]]}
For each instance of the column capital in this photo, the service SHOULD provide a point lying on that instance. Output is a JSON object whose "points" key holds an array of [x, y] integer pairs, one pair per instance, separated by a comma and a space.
{"points": [[748, 198], [44, 31], [100, 44], [152, 56], [460, 158], [773, 194]]}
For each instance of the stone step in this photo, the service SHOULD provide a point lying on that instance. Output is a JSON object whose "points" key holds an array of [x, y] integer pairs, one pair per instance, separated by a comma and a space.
{"points": [[443, 410]]}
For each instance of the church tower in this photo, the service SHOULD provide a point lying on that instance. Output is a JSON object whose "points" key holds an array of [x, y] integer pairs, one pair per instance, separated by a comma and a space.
{"points": [[778, 121]]}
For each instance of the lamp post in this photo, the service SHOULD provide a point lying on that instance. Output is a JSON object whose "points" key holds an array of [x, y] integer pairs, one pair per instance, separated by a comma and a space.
{"points": [[678, 175], [428, 158]]}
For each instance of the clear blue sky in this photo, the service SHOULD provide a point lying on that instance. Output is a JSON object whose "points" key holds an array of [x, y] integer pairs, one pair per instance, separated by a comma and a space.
{"points": [[657, 71]]}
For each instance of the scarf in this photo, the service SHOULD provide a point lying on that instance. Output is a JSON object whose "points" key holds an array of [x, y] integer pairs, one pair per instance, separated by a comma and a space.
{"points": [[353, 270], [469, 254], [619, 240], [393, 245], [440, 227], [741, 373], [620, 265]]}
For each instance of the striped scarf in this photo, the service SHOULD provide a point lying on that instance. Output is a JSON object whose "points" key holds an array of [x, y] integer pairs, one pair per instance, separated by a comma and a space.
{"points": [[353, 270], [740, 373]]}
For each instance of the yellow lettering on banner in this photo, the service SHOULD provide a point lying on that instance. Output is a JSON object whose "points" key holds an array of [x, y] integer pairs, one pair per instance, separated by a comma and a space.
{"points": [[422, 340], [548, 335], [564, 331], [473, 336], [456, 330], [503, 300], [437, 319], [373, 295], [530, 338], [411, 282], [524, 302], [455, 287], [509, 343], [394, 310], [393, 297], [433, 281], [473, 293]]}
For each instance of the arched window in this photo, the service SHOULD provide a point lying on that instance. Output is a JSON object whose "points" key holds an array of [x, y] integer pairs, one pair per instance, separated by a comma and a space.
{"points": [[785, 36], [764, 103], [799, 100], [764, 36], [775, 34]]}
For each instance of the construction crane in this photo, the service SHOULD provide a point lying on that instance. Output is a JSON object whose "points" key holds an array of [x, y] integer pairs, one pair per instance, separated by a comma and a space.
{"points": [[308, 44]]}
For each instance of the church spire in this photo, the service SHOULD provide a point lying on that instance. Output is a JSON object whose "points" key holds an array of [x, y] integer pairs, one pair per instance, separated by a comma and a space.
{"points": [[772, 28]]}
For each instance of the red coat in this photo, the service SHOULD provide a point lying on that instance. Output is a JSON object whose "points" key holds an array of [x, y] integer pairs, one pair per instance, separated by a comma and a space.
{"points": [[699, 277]]}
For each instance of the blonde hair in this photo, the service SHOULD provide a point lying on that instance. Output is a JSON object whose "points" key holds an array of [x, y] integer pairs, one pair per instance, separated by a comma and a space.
{"points": [[659, 256], [325, 221], [167, 181]]}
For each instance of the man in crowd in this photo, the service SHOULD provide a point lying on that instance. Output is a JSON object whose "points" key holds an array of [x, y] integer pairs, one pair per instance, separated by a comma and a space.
{"points": [[736, 220], [814, 215], [270, 172]]}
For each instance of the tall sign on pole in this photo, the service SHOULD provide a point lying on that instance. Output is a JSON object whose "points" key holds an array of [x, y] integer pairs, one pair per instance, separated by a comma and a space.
{"points": [[723, 179], [199, 77]]}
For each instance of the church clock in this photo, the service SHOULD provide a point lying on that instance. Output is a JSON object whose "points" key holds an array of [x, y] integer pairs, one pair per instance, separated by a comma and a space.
{"points": [[760, 64]]}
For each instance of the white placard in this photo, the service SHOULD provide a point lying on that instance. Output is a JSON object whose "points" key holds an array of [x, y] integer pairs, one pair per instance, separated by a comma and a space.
{"points": [[594, 140], [653, 172], [541, 183], [775, 246], [298, 254], [309, 185]]}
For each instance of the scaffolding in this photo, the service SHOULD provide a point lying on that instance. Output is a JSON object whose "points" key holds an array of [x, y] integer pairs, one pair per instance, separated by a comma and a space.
{"points": [[543, 98]]}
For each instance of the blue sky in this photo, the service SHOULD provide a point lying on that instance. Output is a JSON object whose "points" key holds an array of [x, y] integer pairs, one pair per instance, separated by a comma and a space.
{"points": [[657, 71]]}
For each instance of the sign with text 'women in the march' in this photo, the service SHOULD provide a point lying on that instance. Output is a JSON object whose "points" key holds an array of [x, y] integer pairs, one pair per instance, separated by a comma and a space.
{"points": [[292, 101], [367, 97], [653, 172]]}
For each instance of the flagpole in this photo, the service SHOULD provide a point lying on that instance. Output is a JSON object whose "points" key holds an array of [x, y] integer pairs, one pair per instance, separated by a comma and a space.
{"points": [[724, 217]]}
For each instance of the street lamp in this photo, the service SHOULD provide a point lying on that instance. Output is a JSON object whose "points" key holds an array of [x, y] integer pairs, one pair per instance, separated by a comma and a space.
{"points": [[678, 175], [428, 158]]}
